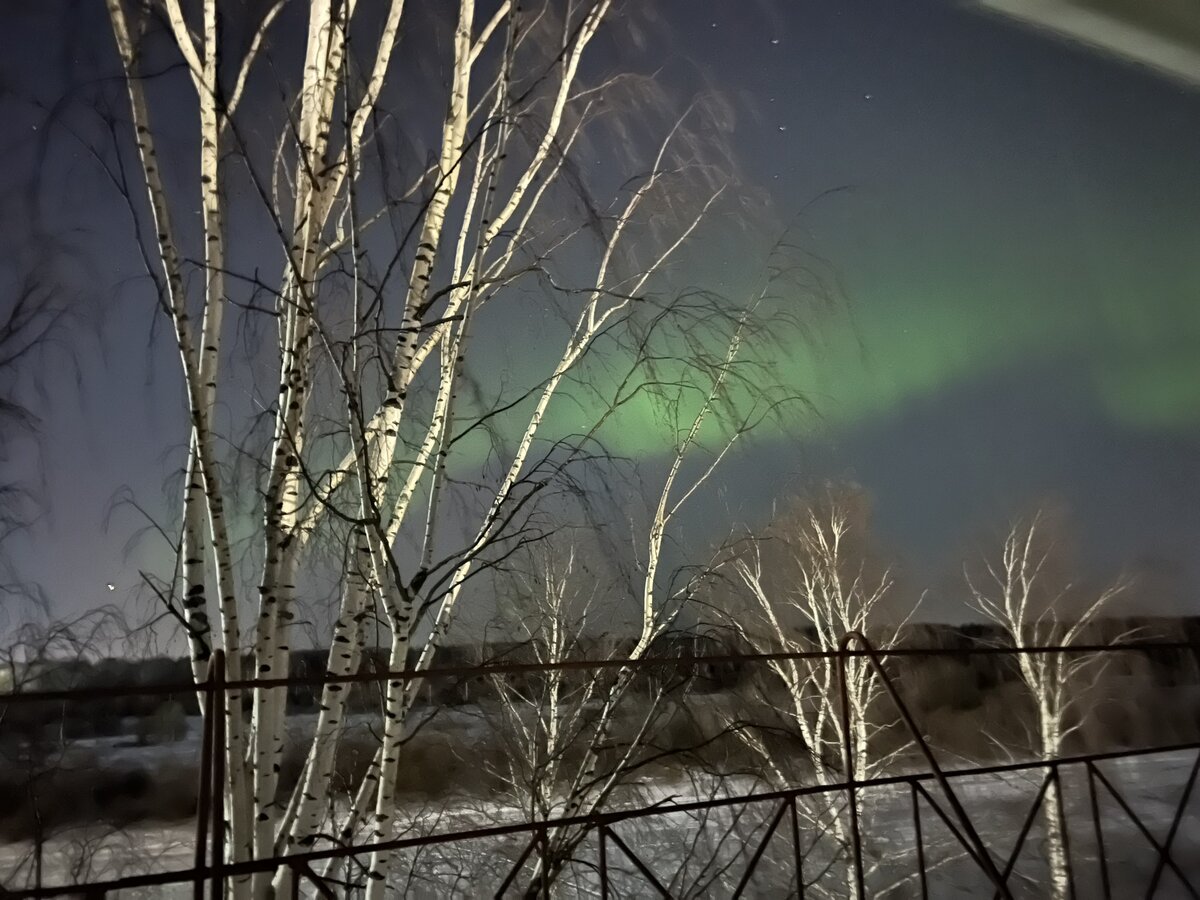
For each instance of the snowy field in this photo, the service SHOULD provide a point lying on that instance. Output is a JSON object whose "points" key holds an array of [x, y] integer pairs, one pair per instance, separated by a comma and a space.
{"points": [[705, 854]]}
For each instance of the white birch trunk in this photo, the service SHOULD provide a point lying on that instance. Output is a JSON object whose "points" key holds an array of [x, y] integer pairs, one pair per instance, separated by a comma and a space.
{"points": [[1025, 594], [822, 584], [200, 397], [512, 138]]}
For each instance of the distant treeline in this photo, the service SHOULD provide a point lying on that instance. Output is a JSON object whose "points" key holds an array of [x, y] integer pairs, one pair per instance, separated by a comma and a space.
{"points": [[972, 706], [76, 718]]}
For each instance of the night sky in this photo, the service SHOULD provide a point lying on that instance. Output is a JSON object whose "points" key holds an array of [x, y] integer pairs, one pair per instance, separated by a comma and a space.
{"points": [[1013, 222]]}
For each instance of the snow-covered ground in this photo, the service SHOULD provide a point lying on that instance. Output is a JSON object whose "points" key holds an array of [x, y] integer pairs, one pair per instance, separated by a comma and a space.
{"points": [[703, 855]]}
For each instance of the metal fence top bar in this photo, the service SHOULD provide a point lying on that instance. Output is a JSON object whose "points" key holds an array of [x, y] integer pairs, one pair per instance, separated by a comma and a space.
{"points": [[645, 662]]}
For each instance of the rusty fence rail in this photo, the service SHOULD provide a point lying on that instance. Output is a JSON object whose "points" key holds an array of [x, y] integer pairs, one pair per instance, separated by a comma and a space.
{"points": [[931, 788], [645, 662]]}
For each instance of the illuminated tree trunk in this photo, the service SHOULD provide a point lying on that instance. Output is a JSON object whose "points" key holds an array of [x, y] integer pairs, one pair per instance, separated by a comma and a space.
{"points": [[825, 587], [200, 381], [364, 403], [1028, 595]]}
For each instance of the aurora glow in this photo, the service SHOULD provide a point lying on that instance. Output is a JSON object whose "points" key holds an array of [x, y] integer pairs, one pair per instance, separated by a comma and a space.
{"points": [[1017, 243], [900, 339]]}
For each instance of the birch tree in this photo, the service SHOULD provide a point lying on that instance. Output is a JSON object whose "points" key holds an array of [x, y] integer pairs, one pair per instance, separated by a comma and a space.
{"points": [[1029, 593], [803, 584], [584, 742], [403, 459], [548, 723]]}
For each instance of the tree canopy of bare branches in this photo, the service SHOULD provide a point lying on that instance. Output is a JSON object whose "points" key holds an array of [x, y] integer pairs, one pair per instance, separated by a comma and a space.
{"points": [[1031, 593], [376, 200]]}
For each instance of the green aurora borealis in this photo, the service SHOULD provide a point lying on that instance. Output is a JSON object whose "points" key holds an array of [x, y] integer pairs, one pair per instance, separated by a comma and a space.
{"points": [[1018, 243], [902, 336]]}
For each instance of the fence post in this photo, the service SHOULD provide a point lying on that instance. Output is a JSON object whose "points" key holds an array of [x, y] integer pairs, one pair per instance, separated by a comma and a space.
{"points": [[797, 851], [920, 839], [204, 791], [848, 763], [39, 833], [544, 841], [1099, 830], [219, 704], [603, 862]]}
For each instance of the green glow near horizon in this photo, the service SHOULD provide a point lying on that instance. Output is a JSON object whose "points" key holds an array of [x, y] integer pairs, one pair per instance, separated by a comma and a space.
{"points": [[1139, 359], [1118, 331]]}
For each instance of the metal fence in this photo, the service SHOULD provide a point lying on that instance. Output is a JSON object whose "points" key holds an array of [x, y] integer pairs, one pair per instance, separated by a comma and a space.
{"points": [[931, 794]]}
